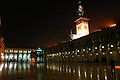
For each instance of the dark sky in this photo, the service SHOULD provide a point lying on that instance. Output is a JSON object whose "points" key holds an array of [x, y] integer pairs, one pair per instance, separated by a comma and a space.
{"points": [[32, 24]]}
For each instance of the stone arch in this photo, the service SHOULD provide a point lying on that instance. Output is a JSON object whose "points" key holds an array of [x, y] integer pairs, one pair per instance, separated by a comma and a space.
{"points": [[95, 54], [110, 45], [112, 51], [101, 46]]}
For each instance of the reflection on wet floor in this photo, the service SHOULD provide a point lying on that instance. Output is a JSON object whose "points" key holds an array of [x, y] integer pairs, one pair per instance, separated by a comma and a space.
{"points": [[87, 72], [41, 71]]}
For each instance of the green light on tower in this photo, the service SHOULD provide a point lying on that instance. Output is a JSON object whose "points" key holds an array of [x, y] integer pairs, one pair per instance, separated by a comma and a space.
{"points": [[39, 49]]}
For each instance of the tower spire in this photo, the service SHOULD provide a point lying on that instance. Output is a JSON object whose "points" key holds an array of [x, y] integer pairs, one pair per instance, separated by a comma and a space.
{"points": [[80, 9], [82, 27]]}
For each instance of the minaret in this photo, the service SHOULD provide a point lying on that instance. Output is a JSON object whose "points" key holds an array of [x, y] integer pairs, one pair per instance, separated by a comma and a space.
{"points": [[82, 27]]}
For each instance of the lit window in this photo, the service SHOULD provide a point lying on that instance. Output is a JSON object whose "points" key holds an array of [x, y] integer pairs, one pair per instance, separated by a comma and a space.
{"points": [[2, 54], [82, 55], [15, 51], [103, 47], [73, 51], [103, 53], [83, 49], [20, 51], [7, 51], [29, 51], [96, 53], [69, 52], [78, 51], [111, 45], [110, 52], [90, 54], [95, 47], [89, 49], [65, 52], [11, 51], [24, 51]]}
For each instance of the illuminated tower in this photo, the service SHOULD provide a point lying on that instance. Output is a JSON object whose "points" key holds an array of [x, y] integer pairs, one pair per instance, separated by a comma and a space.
{"points": [[82, 28]]}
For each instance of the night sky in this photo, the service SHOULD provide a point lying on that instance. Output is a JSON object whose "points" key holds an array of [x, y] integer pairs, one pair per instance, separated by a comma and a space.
{"points": [[32, 24]]}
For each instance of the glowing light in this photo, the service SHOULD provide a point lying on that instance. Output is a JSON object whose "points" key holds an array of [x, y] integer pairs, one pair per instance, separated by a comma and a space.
{"points": [[20, 51], [83, 49], [95, 47], [24, 51], [91, 54], [29, 51], [110, 52], [89, 49], [111, 45], [112, 25], [11, 51], [103, 47], [2, 54], [2, 57], [103, 53], [1, 66], [117, 67], [39, 49], [96, 53], [15, 51]]}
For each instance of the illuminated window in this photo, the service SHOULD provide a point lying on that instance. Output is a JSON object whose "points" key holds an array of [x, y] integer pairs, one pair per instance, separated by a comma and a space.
{"points": [[103, 53], [110, 52], [6, 56], [2, 54], [95, 47], [89, 49], [15, 51], [65, 52], [24, 51], [103, 47], [78, 51], [111, 45], [11, 51], [96, 53], [29, 51], [20, 51], [73, 51], [90, 54], [6, 50], [15, 56], [83, 49]]}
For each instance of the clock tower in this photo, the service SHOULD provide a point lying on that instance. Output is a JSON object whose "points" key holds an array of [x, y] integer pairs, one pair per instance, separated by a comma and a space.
{"points": [[82, 27]]}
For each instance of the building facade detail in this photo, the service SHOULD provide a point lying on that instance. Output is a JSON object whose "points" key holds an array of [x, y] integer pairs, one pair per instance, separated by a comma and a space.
{"points": [[17, 55], [97, 47], [82, 27]]}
